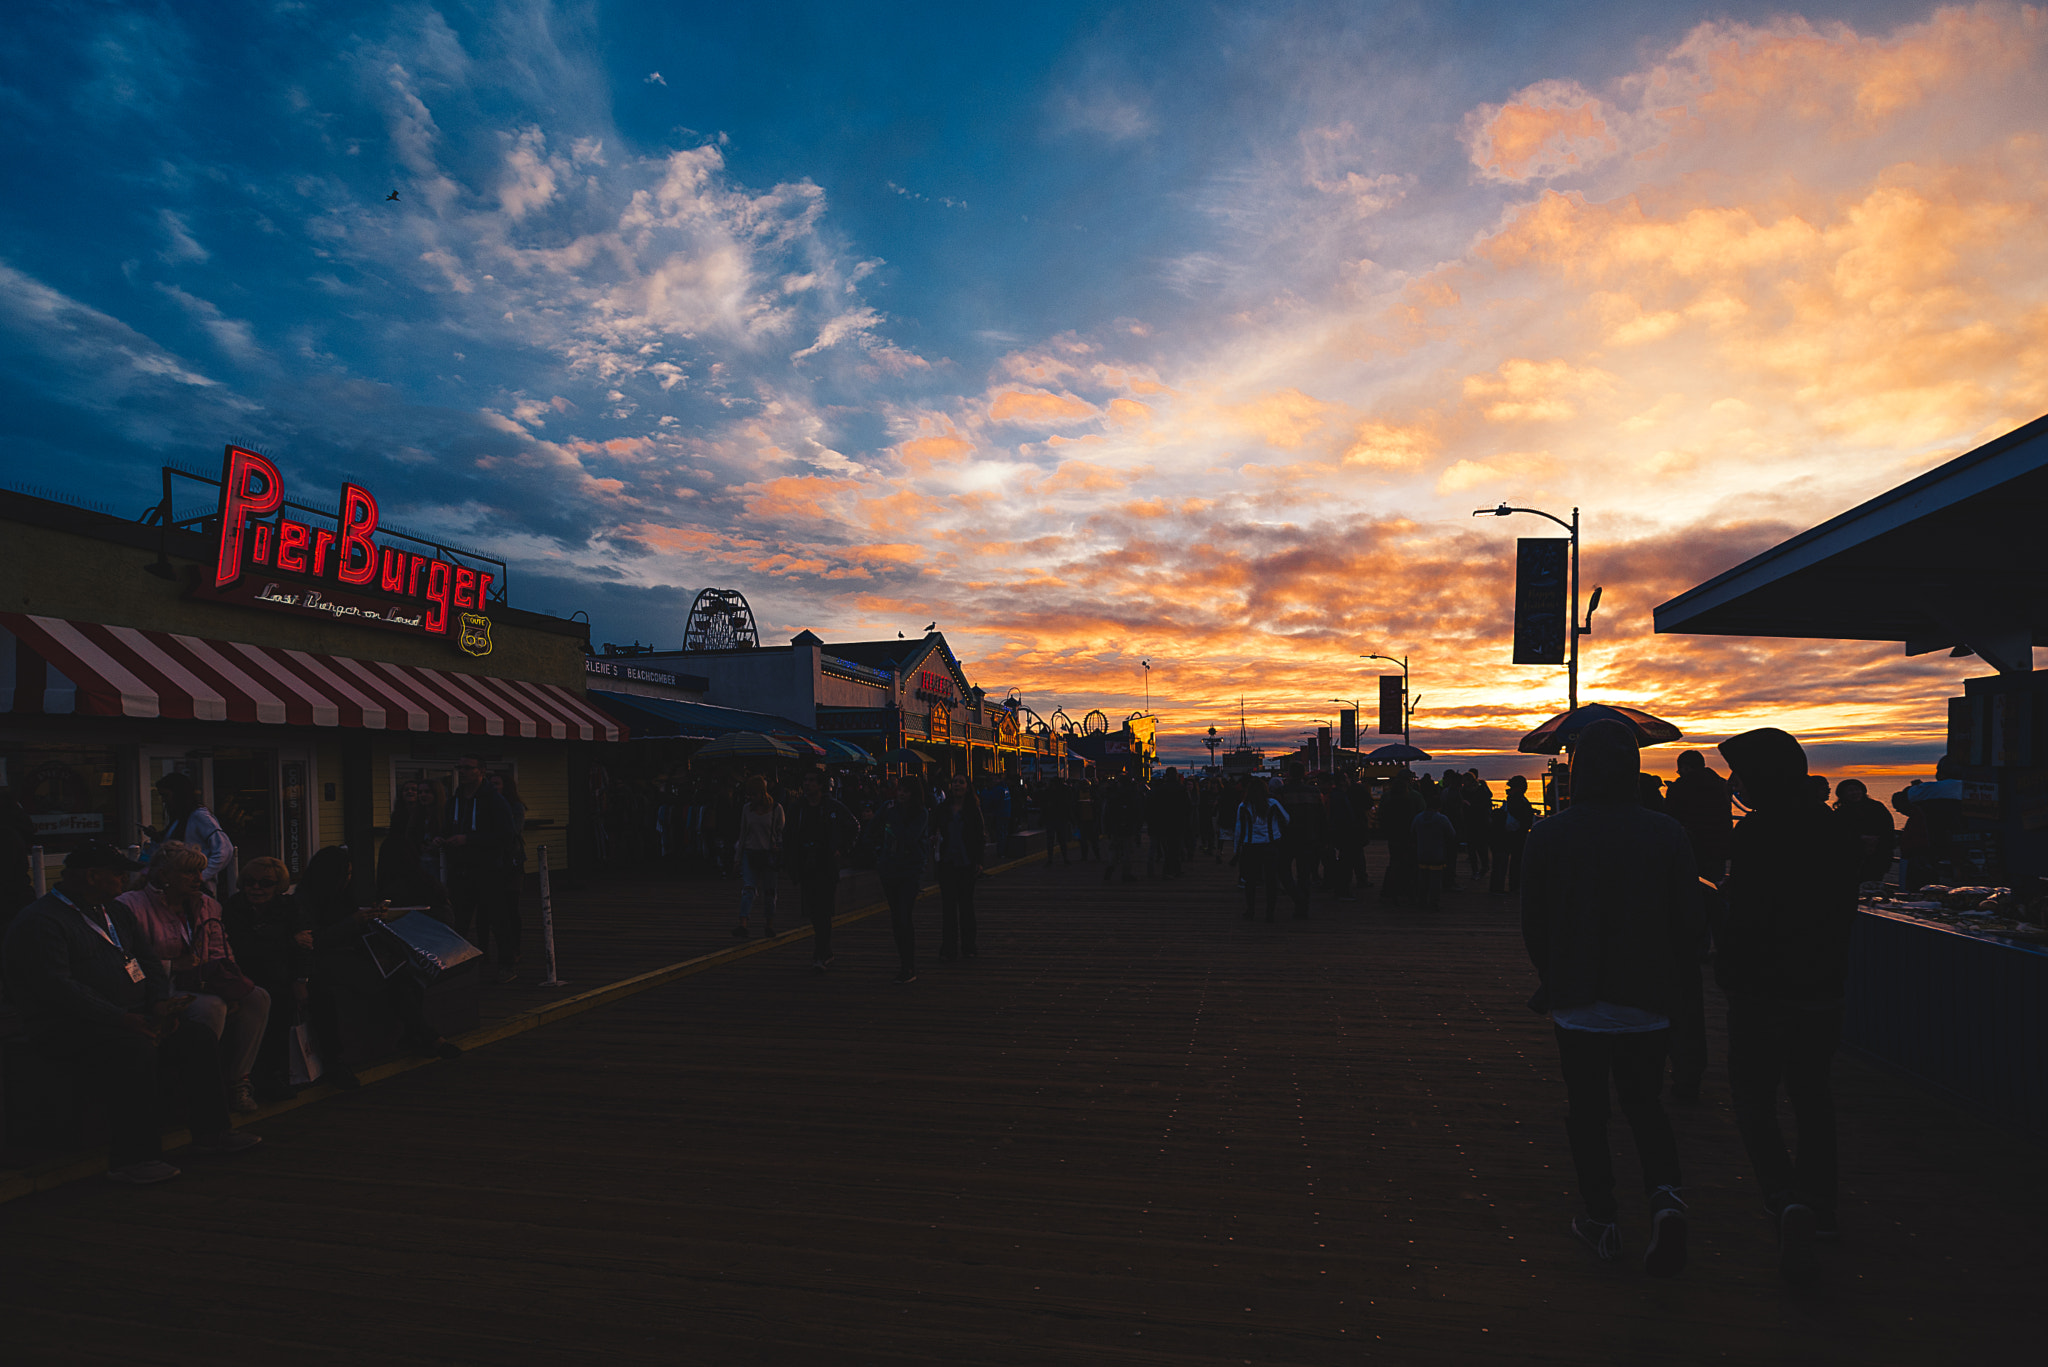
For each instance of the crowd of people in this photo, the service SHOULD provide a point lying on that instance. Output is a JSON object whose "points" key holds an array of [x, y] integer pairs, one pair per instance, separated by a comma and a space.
{"points": [[221, 975]]}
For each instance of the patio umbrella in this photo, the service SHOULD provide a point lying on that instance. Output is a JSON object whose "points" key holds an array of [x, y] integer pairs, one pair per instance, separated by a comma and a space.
{"points": [[903, 755], [805, 747], [1561, 730], [745, 745], [1397, 752], [845, 752]]}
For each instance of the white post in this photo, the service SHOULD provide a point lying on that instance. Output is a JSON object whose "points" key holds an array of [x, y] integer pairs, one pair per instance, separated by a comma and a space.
{"points": [[35, 870], [547, 923]]}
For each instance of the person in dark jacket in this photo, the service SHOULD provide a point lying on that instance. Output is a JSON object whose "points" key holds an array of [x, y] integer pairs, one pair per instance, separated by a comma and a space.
{"points": [[1609, 904], [1302, 845], [1872, 826], [1782, 958], [478, 842], [904, 855], [1698, 800], [962, 840], [100, 1007], [822, 835], [1512, 822], [263, 926]]}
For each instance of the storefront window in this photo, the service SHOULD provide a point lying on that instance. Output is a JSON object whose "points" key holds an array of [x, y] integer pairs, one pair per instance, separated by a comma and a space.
{"points": [[68, 792]]}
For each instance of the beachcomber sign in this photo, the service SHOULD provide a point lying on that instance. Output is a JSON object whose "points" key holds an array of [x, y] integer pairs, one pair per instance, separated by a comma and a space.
{"points": [[267, 558]]}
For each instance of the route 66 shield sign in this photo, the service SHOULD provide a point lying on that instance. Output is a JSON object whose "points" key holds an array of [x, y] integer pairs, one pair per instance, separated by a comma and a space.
{"points": [[476, 634]]}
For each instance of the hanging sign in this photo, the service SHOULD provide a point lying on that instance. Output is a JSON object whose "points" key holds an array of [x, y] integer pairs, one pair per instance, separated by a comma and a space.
{"points": [[1393, 704], [1542, 566], [270, 560]]}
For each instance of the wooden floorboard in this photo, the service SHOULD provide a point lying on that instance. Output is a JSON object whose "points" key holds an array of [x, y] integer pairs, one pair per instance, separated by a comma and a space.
{"points": [[1138, 1129]]}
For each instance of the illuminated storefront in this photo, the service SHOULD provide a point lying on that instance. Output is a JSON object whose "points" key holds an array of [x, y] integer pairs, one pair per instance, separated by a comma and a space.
{"points": [[301, 664]]}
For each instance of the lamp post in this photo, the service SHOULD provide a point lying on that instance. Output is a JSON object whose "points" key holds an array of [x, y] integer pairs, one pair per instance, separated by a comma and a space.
{"points": [[1407, 706], [1212, 740], [1572, 661], [1148, 686], [1358, 726]]}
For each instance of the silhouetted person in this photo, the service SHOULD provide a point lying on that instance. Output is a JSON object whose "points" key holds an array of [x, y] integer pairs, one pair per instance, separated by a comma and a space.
{"points": [[1782, 958], [1872, 825], [1698, 801], [1512, 822], [1609, 904]]}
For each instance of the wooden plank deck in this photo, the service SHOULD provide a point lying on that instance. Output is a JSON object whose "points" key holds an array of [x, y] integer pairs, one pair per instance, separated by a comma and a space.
{"points": [[1136, 1130]]}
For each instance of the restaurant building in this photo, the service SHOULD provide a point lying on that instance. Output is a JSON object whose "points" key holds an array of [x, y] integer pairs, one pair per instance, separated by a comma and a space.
{"points": [[299, 662]]}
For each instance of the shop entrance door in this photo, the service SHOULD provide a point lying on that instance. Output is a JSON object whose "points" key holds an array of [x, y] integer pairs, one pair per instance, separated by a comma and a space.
{"points": [[258, 795]]}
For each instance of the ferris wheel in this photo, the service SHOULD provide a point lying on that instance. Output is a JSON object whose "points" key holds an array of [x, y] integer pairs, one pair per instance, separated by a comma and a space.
{"points": [[721, 620]]}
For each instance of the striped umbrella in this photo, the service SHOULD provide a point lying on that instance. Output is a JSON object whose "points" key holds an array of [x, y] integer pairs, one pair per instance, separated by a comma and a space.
{"points": [[805, 747], [746, 745], [846, 752]]}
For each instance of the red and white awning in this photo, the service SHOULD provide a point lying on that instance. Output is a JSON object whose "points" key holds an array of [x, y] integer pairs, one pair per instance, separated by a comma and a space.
{"points": [[52, 666]]}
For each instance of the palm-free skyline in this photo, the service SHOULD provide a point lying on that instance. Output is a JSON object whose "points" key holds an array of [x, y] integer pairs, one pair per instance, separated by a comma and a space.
{"points": [[1098, 336]]}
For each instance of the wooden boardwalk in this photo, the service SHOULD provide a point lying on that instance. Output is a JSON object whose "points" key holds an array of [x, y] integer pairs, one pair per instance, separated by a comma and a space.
{"points": [[1137, 1129]]}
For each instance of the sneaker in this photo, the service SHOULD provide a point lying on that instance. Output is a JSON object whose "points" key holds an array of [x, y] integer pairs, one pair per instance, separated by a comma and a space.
{"points": [[1827, 1226], [739, 932], [444, 1049], [226, 1142], [829, 958], [143, 1174], [242, 1098], [1796, 1261], [1665, 1257], [905, 977], [767, 930], [506, 976], [817, 965], [1603, 1239]]}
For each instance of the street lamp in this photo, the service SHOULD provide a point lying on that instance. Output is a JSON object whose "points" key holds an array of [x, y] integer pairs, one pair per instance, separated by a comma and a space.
{"points": [[1148, 686], [1572, 664], [1358, 724], [1408, 704], [1212, 740]]}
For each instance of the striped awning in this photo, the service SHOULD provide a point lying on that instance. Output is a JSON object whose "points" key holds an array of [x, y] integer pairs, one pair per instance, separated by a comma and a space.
{"points": [[49, 666]]}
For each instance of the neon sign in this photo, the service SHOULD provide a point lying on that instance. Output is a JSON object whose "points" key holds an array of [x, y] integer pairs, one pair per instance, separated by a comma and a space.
{"points": [[252, 495], [934, 687]]}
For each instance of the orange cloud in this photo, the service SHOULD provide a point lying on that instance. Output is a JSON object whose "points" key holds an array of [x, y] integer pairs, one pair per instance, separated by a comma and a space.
{"points": [[1285, 417], [1533, 391], [922, 453], [1548, 129], [1037, 406], [1391, 446], [1078, 476]]}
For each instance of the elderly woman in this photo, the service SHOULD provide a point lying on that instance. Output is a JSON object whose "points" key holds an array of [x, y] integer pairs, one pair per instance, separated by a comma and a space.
{"points": [[264, 923], [181, 925]]}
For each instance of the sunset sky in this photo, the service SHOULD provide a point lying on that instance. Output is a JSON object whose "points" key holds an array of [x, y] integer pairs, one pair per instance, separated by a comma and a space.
{"points": [[1169, 332]]}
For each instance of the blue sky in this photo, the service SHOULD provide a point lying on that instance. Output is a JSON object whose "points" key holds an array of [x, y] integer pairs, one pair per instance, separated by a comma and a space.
{"points": [[1095, 333]]}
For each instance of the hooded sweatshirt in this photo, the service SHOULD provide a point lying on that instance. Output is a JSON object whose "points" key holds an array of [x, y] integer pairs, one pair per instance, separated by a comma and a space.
{"points": [[1609, 894], [1791, 894]]}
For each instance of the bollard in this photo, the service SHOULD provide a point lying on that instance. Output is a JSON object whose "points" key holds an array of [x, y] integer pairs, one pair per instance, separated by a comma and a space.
{"points": [[547, 923], [35, 871]]}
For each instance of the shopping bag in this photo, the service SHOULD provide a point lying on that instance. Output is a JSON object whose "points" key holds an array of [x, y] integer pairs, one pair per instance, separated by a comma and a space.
{"points": [[304, 1059]]}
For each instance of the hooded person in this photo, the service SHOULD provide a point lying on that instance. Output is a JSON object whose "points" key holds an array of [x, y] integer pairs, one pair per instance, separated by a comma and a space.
{"points": [[1610, 905], [1782, 955]]}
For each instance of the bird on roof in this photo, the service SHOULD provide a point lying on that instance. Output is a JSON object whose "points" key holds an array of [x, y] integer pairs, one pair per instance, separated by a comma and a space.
{"points": [[930, 627], [393, 195], [899, 635]]}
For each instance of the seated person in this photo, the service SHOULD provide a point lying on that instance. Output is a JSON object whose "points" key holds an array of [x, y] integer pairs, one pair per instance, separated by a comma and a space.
{"points": [[99, 1004], [344, 973], [181, 927], [264, 927]]}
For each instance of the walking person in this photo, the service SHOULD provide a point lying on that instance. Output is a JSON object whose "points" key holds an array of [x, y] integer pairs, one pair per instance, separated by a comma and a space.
{"points": [[906, 851], [1302, 842], [1121, 817], [1436, 852], [1056, 805], [1609, 903], [963, 840], [1258, 836], [1512, 822], [478, 830], [1782, 953], [1399, 806], [820, 836], [1087, 819], [760, 848]]}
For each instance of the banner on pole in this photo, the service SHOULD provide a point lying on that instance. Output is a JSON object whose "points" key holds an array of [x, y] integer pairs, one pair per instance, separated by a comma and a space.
{"points": [[1393, 704], [1347, 728], [1542, 572]]}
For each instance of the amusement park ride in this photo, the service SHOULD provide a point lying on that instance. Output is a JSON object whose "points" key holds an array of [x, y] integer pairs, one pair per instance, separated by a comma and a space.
{"points": [[721, 620]]}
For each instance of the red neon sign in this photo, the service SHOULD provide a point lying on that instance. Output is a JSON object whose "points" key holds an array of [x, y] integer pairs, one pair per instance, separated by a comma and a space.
{"points": [[252, 490]]}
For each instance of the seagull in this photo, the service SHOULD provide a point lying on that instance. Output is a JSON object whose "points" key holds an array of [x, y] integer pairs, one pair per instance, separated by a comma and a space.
{"points": [[393, 195], [930, 627], [899, 635]]}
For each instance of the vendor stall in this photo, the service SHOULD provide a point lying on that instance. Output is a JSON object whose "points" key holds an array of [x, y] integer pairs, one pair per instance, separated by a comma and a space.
{"points": [[1947, 969]]}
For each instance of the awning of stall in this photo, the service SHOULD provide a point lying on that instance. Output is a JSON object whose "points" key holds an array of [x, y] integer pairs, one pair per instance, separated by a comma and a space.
{"points": [[50, 666], [1948, 560], [655, 718]]}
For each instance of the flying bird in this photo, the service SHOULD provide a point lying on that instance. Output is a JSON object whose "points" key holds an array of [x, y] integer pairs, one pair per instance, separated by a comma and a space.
{"points": [[393, 195]]}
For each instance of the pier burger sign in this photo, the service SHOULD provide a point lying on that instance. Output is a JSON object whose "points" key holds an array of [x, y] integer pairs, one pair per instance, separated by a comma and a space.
{"points": [[268, 559]]}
